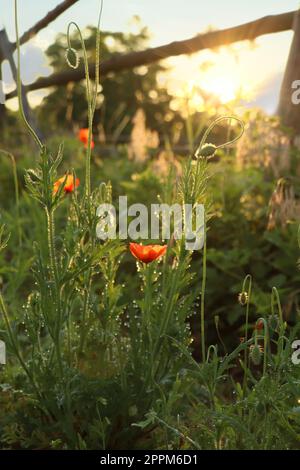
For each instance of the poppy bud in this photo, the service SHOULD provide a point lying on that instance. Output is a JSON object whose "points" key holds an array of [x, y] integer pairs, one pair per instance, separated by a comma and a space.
{"points": [[255, 354], [72, 58], [243, 298], [207, 151], [259, 325]]}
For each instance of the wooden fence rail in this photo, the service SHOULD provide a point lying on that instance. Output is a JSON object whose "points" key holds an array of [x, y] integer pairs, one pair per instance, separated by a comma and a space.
{"points": [[213, 39], [43, 23]]}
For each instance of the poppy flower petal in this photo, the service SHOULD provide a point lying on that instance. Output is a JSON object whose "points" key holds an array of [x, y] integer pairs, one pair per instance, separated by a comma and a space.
{"points": [[83, 136], [147, 253], [70, 184]]}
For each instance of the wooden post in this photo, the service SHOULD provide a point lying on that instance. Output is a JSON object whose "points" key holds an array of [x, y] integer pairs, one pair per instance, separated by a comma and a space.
{"points": [[289, 112], [2, 97], [6, 52]]}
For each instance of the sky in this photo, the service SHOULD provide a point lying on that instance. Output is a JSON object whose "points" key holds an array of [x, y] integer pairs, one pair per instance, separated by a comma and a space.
{"points": [[259, 69]]}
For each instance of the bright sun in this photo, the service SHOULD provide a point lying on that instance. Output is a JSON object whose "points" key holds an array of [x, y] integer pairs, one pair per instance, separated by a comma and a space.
{"points": [[217, 76], [226, 88]]}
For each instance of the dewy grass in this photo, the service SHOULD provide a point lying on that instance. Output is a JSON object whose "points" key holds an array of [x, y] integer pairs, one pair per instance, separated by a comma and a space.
{"points": [[17, 197]]}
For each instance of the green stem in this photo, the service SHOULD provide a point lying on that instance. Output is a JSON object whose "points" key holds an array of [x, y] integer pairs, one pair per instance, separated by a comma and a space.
{"points": [[83, 331], [91, 97], [203, 287], [51, 245], [213, 124], [55, 276], [148, 292], [248, 279], [266, 340], [147, 308], [276, 299], [91, 104], [16, 184], [15, 345]]}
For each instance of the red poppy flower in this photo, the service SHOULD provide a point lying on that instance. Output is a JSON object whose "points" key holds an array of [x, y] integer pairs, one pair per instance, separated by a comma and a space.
{"points": [[70, 184], [259, 325], [147, 253], [83, 136]]}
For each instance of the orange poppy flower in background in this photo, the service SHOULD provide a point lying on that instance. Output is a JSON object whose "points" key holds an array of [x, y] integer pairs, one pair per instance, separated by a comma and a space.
{"points": [[259, 325], [83, 136], [147, 253], [69, 184]]}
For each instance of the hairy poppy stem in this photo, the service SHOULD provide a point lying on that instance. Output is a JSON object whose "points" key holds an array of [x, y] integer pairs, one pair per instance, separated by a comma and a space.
{"points": [[91, 96], [91, 104], [275, 299], [203, 287], [55, 275], [248, 279], [15, 345]]}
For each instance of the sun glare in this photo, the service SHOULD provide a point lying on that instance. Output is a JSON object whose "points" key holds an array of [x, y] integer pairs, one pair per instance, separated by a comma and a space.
{"points": [[225, 88], [216, 77]]}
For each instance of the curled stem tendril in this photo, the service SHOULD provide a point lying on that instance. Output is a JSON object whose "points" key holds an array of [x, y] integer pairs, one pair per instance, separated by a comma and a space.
{"points": [[214, 124], [90, 95]]}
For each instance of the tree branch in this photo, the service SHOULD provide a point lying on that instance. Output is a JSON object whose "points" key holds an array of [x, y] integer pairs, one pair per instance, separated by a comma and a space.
{"points": [[43, 23]]}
